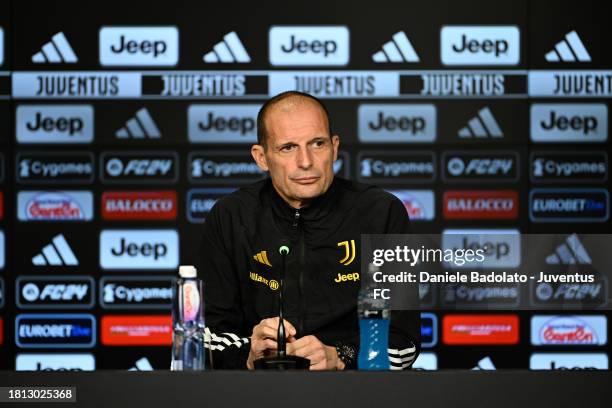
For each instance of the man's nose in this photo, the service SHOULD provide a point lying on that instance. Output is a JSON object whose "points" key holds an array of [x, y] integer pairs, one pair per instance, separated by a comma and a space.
{"points": [[304, 158]]}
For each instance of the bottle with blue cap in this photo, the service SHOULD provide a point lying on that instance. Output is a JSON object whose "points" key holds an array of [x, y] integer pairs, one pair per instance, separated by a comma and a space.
{"points": [[188, 321]]}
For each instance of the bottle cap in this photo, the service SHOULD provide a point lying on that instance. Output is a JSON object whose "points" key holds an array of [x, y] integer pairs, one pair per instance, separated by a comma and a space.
{"points": [[188, 271]]}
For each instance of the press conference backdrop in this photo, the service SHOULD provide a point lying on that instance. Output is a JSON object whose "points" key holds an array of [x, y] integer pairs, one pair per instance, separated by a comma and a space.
{"points": [[123, 122]]}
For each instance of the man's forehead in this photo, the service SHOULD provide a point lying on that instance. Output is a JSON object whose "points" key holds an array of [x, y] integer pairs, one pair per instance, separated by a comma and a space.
{"points": [[299, 113]]}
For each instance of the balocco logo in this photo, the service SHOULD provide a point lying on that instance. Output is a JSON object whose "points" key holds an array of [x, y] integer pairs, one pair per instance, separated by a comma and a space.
{"points": [[481, 204], [222, 167], [139, 205], [145, 167]]}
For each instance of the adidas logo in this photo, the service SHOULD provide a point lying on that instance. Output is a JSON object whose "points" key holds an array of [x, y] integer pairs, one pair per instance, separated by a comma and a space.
{"points": [[481, 125], [56, 51], [230, 50], [399, 49], [485, 364], [58, 252], [262, 258], [142, 365], [571, 252], [139, 127], [570, 49]]}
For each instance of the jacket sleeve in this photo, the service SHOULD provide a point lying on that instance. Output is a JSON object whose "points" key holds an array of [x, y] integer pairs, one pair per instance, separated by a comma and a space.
{"points": [[405, 327], [225, 341]]}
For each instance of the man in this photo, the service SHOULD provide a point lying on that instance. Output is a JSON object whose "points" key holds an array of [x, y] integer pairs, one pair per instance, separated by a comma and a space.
{"points": [[321, 217]]}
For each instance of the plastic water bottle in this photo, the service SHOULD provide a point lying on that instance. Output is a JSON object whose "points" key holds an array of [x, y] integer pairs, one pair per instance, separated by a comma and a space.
{"points": [[188, 321], [373, 327]]}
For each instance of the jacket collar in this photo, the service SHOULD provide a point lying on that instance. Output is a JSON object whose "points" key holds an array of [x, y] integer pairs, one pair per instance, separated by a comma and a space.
{"points": [[315, 210]]}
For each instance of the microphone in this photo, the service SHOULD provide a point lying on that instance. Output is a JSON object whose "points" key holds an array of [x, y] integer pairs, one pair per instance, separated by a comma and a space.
{"points": [[283, 250], [282, 361]]}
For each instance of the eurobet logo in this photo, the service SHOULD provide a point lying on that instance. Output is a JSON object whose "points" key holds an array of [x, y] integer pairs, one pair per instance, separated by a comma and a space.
{"points": [[139, 46], [397, 123], [568, 361], [429, 330], [480, 45], [580, 123], [501, 247], [571, 330], [480, 204], [1, 46], [569, 205], [419, 204], [55, 205], [51, 168], [2, 258], [136, 330], [201, 200], [54, 292], [309, 45], [563, 167], [501, 329], [139, 205], [54, 124], [55, 330], [55, 362], [139, 249], [235, 123]]}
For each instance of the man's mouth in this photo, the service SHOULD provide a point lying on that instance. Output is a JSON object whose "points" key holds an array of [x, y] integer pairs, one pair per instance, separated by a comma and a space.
{"points": [[306, 180]]}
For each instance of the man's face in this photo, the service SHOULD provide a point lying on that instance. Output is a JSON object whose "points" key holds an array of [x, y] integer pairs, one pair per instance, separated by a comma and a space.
{"points": [[300, 153]]}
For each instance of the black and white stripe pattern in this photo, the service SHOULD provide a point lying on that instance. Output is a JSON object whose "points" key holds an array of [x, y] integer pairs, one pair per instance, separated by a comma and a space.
{"points": [[402, 359], [219, 341]]}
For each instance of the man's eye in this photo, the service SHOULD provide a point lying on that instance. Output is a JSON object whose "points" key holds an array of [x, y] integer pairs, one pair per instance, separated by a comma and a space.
{"points": [[287, 148], [319, 143]]}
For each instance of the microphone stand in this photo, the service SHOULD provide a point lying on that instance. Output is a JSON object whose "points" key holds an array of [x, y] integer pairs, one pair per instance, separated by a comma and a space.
{"points": [[282, 361]]}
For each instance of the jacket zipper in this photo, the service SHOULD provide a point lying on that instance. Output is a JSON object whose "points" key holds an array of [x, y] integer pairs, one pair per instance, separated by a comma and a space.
{"points": [[296, 224]]}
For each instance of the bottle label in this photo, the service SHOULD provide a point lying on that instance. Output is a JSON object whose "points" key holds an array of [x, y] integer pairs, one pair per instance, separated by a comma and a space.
{"points": [[191, 301]]}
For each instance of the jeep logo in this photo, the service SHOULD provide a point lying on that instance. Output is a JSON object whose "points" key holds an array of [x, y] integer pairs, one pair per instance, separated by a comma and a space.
{"points": [[309, 45], [139, 249], [54, 124], [569, 122], [397, 123], [223, 123], [480, 45], [155, 46]]}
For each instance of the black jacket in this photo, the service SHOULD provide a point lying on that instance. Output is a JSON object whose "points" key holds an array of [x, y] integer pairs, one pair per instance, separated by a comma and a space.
{"points": [[240, 267]]}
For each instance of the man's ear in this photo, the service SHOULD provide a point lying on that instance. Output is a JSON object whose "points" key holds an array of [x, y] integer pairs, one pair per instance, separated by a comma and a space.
{"points": [[258, 153], [335, 144]]}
